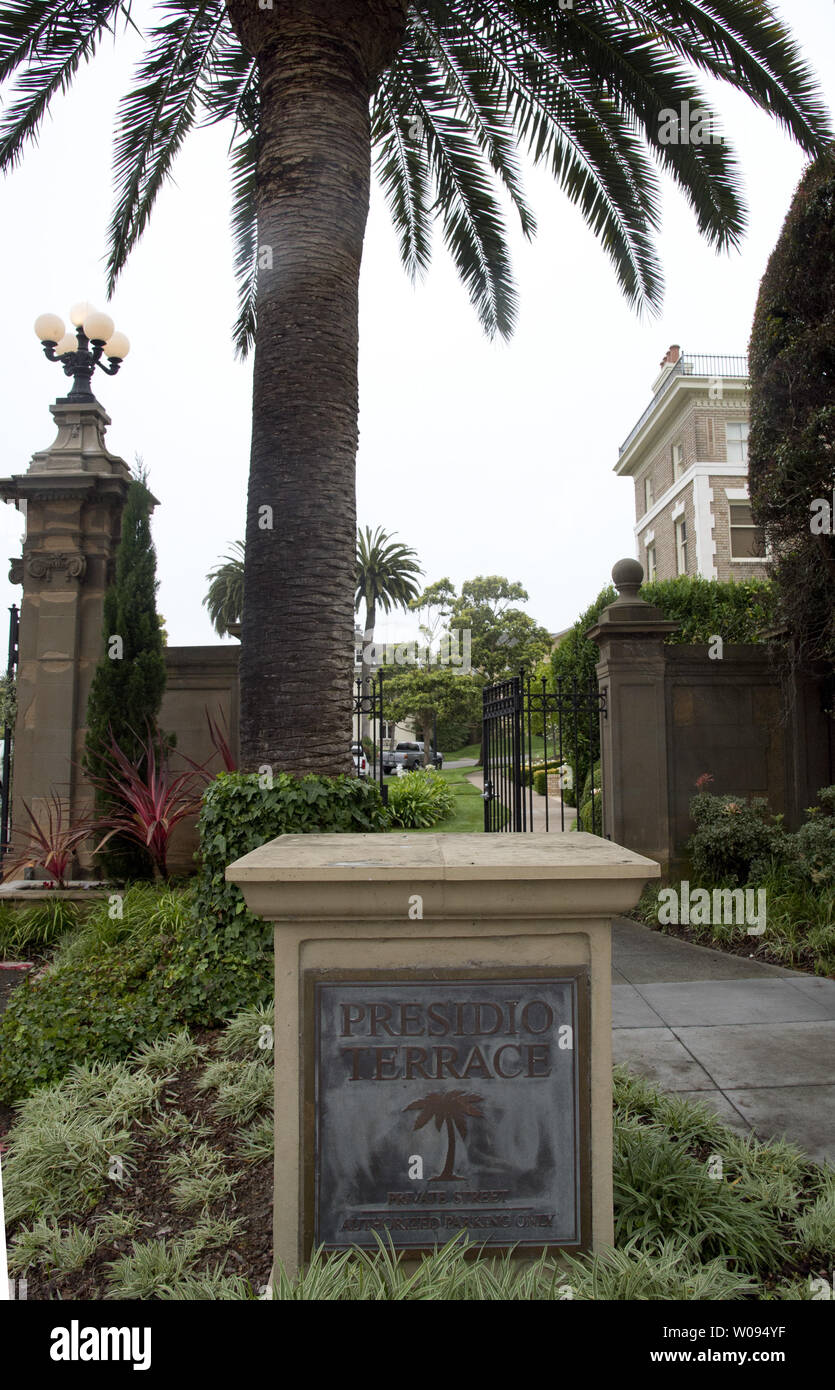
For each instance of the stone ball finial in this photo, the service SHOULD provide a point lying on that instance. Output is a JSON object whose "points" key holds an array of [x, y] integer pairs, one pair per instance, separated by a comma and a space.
{"points": [[627, 577]]}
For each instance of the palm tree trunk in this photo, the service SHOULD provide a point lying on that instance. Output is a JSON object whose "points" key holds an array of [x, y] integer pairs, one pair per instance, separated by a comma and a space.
{"points": [[317, 60]]}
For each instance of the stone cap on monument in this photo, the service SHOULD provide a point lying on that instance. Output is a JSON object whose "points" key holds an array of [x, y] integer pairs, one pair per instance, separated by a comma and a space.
{"points": [[629, 615], [79, 446], [362, 876]]}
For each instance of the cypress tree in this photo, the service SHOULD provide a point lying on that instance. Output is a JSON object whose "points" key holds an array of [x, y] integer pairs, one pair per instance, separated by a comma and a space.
{"points": [[792, 446], [129, 681]]}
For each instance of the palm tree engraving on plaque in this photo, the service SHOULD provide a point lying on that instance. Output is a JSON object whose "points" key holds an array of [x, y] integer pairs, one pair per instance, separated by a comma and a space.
{"points": [[452, 1108]]}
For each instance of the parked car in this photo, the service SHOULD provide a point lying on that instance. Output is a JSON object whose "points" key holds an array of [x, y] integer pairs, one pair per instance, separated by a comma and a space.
{"points": [[405, 755], [360, 759], [408, 756]]}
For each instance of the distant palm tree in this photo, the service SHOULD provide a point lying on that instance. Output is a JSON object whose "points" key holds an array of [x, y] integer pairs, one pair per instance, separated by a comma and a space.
{"points": [[442, 96], [386, 579], [225, 596], [451, 1108]]}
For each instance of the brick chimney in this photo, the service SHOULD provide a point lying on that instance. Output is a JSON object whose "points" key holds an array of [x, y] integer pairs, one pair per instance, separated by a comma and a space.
{"points": [[673, 355]]}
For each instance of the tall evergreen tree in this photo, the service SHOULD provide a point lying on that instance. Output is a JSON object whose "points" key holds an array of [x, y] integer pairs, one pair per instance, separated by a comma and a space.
{"points": [[129, 681], [791, 464]]}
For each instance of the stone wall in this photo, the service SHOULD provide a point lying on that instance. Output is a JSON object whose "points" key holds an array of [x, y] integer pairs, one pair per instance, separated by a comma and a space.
{"points": [[199, 678], [673, 714]]}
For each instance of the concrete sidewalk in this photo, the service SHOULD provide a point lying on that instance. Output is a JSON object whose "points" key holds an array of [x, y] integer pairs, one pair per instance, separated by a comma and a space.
{"points": [[753, 1041], [535, 807]]}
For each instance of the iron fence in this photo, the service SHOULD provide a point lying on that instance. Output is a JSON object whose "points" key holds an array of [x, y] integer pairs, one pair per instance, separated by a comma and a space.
{"points": [[518, 713]]}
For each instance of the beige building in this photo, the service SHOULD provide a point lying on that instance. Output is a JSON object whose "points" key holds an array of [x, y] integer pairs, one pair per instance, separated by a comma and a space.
{"points": [[688, 456]]}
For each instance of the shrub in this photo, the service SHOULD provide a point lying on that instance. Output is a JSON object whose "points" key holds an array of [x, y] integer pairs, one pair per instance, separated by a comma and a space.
{"points": [[733, 838], [419, 799], [810, 851], [146, 800], [224, 962], [51, 845], [742, 610], [590, 816], [38, 925], [102, 1006], [664, 1193]]}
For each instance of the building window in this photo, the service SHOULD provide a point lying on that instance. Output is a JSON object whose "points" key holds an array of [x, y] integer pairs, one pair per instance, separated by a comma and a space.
{"points": [[651, 565], [649, 495], [746, 538], [736, 435], [681, 546], [678, 462]]}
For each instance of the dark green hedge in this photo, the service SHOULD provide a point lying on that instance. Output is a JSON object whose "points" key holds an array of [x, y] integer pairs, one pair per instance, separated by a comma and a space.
{"points": [[228, 960]]}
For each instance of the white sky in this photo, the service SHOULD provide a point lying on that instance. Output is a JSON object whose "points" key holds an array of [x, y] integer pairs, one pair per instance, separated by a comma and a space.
{"points": [[486, 458]]}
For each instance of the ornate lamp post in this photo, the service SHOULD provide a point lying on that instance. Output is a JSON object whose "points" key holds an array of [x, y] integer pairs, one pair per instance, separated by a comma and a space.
{"points": [[81, 352]]}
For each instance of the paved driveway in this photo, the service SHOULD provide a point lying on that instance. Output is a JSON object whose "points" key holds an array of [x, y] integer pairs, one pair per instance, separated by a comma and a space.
{"points": [[756, 1042]]}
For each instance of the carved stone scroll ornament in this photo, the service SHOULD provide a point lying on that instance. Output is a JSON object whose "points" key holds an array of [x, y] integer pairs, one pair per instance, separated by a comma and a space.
{"points": [[45, 565], [16, 569]]}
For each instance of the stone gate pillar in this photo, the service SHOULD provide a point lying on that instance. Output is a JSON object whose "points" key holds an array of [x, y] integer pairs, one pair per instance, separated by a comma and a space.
{"points": [[72, 496], [633, 736]]}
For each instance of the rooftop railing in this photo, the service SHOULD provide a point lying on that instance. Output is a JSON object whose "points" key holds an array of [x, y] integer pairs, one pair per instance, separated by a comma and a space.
{"points": [[691, 364]]}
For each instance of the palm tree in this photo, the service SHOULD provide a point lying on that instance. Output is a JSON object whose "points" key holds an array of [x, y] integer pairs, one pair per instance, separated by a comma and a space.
{"points": [[385, 570], [225, 596], [442, 94], [451, 1108]]}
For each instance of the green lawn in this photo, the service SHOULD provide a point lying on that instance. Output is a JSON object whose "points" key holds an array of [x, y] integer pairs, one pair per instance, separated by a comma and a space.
{"points": [[472, 750], [537, 751], [469, 807]]}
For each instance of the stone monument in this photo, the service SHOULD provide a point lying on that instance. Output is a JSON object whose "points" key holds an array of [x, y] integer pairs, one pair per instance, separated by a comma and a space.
{"points": [[72, 496], [443, 1059]]}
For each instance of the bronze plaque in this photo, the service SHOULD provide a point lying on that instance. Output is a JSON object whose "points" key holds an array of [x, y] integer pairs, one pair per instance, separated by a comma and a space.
{"points": [[445, 1106]]}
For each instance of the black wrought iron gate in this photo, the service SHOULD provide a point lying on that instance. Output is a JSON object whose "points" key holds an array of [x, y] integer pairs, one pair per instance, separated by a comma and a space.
{"points": [[520, 716]]}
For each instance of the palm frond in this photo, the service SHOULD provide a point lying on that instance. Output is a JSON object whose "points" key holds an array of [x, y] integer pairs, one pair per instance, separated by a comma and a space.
{"points": [[245, 236], [471, 217], [44, 44], [402, 168], [156, 116], [386, 571]]}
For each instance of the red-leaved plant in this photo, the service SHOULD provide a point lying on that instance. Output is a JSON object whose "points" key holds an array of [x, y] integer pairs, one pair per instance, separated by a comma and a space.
{"points": [[703, 782], [150, 799], [51, 846], [220, 742]]}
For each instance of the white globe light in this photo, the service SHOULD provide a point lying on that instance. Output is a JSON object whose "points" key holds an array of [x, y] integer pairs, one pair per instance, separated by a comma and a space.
{"points": [[69, 343], [117, 346], [79, 312], [99, 327], [49, 328]]}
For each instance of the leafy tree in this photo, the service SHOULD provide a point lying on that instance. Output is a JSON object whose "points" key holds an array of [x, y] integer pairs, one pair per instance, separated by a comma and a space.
{"points": [[129, 681], [441, 95], [435, 694], [225, 596], [386, 575], [504, 639], [435, 605], [792, 444]]}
